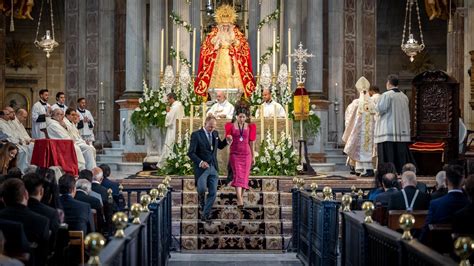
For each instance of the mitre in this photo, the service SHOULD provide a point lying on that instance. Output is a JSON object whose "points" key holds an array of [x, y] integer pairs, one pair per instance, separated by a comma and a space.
{"points": [[362, 84]]}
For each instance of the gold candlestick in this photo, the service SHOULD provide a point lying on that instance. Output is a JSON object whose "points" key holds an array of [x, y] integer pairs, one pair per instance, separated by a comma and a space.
{"points": [[162, 52]]}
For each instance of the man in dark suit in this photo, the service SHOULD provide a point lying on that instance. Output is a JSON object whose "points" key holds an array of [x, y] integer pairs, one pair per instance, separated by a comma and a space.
{"points": [[109, 208], [203, 153], [77, 214], [464, 219], [83, 188], [388, 183], [410, 197], [106, 182], [419, 185], [34, 186], [36, 226]]}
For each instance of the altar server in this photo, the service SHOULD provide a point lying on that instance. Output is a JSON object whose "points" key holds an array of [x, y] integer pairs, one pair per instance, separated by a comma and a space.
{"points": [[86, 123], [270, 106], [41, 109], [60, 102]]}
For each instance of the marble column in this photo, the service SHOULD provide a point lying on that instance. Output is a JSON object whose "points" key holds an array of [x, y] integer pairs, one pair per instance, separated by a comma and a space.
{"points": [[266, 8], [335, 60], [157, 23], [2, 57], [182, 8], [314, 44], [292, 19], [254, 19], [134, 49]]}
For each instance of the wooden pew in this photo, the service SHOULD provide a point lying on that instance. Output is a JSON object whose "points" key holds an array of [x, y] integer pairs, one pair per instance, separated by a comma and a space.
{"points": [[76, 238], [394, 215]]}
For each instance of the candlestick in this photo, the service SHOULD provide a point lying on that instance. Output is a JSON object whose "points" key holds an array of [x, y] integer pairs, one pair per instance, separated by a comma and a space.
{"points": [[162, 50], [289, 50], [258, 52], [274, 52], [203, 113], [194, 51], [287, 124], [177, 51], [191, 119], [262, 126], [180, 125], [275, 136]]}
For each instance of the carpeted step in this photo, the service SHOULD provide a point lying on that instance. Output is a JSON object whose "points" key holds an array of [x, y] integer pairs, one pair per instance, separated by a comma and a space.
{"points": [[191, 212], [230, 198], [236, 227], [235, 242]]}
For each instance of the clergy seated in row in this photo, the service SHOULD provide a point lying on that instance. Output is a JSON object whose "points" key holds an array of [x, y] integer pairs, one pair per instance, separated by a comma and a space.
{"points": [[222, 108], [71, 120], [17, 135], [57, 129], [270, 107]]}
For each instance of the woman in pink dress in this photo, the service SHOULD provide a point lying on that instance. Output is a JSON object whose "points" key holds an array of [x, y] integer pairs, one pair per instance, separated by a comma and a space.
{"points": [[243, 135]]}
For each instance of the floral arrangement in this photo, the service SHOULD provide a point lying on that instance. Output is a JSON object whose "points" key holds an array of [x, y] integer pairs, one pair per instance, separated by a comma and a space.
{"points": [[311, 125], [278, 158], [185, 90], [182, 57], [178, 162], [269, 51], [151, 110], [273, 16], [177, 20]]}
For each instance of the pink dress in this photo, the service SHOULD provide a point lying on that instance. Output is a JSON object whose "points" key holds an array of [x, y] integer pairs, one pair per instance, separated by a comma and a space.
{"points": [[240, 158]]}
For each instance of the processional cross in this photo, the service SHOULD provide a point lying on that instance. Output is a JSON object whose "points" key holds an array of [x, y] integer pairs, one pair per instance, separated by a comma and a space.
{"points": [[301, 56]]}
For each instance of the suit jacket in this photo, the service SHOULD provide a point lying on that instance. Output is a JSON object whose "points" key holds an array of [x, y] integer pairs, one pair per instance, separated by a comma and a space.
{"points": [[384, 197], [107, 183], [463, 220], [422, 187], [46, 211], [200, 150], [77, 214], [439, 193], [108, 208], [94, 203], [397, 202]]}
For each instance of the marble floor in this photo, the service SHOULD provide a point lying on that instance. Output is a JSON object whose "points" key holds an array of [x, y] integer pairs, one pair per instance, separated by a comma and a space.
{"points": [[233, 259]]}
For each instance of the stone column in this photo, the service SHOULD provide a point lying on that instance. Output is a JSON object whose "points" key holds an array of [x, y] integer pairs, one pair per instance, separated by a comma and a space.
{"points": [[335, 74], [314, 44], [469, 64], [134, 49], [196, 23], [157, 22], [292, 19], [2, 57], [254, 19], [266, 33], [182, 9]]}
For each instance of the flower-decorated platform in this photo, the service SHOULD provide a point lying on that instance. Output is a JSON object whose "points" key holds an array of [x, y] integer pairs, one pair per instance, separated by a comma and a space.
{"points": [[265, 223]]}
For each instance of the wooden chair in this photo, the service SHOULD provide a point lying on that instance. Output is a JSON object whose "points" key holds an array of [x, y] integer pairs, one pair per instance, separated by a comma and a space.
{"points": [[394, 215], [94, 218], [76, 238]]}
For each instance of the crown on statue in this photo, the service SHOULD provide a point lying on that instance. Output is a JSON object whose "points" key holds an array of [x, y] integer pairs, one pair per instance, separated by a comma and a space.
{"points": [[225, 14]]}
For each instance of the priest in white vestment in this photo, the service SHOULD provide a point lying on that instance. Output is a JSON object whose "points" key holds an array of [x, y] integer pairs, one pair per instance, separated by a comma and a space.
{"points": [[88, 151], [57, 130], [174, 111], [222, 108], [270, 107], [24, 145], [359, 132], [392, 134], [60, 102], [41, 109], [86, 123]]}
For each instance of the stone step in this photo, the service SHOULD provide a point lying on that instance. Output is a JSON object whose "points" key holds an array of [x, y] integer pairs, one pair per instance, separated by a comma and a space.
{"points": [[323, 167], [109, 158], [235, 242], [232, 212], [333, 151], [337, 159], [113, 151], [236, 227], [116, 144], [235, 258]]}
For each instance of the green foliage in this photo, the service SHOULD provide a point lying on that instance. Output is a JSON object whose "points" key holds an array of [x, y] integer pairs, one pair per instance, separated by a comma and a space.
{"points": [[276, 158], [178, 162]]}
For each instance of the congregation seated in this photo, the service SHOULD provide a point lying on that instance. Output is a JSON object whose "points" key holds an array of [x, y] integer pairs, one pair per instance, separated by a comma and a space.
{"points": [[83, 188], [119, 200], [419, 185], [410, 197], [382, 169], [51, 189], [389, 181], [77, 214], [87, 175], [463, 220], [8, 158], [36, 226], [102, 191], [441, 189], [441, 210], [7, 254]]}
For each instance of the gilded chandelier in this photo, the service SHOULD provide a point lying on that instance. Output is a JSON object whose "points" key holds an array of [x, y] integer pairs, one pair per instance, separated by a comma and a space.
{"points": [[411, 47]]}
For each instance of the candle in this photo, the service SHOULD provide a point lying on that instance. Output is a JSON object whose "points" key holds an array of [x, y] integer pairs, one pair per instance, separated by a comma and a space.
{"points": [[194, 51], [258, 52], [301, 129], [162, 50], [191, 119], [289, 50], [287, 124], [262, 128], [275, 137], [203, 113], [274, 52], [179, 128], [177, 51]]}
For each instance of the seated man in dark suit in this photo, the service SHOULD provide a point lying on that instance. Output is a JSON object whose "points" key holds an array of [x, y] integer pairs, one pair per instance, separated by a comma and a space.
{"points": [[419, 185], [388, 183], [36, 226], [463, 220], [83, 187], [441, 210], [77, 214], [109, 209], [441, 188], [410, 197], [106, 182]]}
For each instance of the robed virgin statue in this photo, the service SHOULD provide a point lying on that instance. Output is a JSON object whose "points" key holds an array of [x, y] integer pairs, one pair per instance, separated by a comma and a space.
{"points": [[224, 61]]}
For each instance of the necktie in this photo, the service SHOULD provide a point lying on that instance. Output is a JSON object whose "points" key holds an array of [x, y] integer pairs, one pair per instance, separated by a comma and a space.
{"points": [[209, 138]]}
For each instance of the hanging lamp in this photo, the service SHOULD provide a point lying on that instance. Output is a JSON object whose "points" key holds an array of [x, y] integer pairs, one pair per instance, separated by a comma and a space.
{"points": [[48, 42], [411, 46]]}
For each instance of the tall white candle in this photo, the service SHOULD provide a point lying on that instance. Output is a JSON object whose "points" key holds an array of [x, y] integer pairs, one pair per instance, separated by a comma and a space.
{"points": [[262, 125], [162, 50], [194, 51], [275, 135], [204, 113], [191, 119], [287, 123], [289, 50], [258, 52], [274, 52], [177, 51]]}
